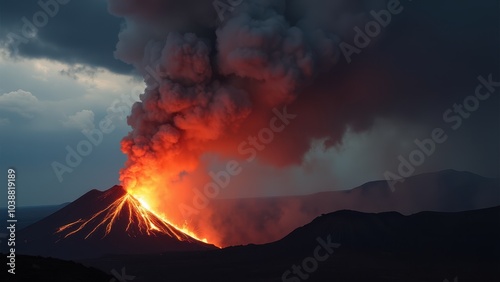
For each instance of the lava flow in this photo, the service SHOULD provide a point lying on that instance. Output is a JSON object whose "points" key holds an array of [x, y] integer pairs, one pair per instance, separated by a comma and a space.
{"points": [[140, 219]]}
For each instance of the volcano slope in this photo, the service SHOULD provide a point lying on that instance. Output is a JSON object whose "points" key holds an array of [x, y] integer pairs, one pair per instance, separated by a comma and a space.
{"points": [[103, 222]]}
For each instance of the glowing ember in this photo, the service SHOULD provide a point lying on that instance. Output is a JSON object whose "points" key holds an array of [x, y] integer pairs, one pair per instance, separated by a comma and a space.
{"points": [[141, 219]]}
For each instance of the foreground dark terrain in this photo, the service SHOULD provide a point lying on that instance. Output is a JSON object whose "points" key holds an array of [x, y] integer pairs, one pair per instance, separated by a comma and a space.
{"points": [[354, 246], [428, 246], [35, 268]]}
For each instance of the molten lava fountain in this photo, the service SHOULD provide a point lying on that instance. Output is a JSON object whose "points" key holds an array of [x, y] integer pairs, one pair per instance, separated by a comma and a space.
{"points": [[140, 220]]}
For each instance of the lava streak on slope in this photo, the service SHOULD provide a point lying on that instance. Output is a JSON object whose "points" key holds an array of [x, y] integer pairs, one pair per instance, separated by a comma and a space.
{"points": [[138, 218]]}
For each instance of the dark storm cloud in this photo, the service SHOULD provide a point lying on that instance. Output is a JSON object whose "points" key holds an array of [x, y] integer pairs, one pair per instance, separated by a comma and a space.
{"points": [[81, 32], [434, 53]]}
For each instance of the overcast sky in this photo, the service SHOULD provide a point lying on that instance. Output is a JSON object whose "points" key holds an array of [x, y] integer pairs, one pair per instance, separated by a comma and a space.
{"points": [[64, 79]]}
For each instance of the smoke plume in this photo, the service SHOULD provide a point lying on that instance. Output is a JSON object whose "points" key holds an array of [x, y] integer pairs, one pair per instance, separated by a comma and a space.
{"points": [[217, 74]]}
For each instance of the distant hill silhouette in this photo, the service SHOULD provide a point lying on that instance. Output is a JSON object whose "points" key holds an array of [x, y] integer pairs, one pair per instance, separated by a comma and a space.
{"points": [[444, 191]]}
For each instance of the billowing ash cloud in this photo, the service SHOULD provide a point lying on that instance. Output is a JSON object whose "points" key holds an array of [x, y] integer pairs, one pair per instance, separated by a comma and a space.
{"points": [[183, 111], [215, 77]]}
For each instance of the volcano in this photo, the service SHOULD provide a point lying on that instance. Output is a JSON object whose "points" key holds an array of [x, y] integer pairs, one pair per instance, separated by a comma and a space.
{"points": [[104, 222]]}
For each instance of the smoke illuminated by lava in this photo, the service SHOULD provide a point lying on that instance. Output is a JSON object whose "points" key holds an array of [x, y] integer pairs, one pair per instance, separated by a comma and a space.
{"points": [[212, 82]]}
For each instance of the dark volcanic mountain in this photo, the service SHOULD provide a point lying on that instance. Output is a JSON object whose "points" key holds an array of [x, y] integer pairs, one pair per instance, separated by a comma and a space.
{"points": [[109, 222]]}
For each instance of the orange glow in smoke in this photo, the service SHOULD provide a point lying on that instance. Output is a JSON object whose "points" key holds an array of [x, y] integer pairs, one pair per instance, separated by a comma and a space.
{"points": [[139, 215]]}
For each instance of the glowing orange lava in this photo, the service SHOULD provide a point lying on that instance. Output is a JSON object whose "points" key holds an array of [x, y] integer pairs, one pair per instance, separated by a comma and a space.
{"points": [[140, 219]]}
